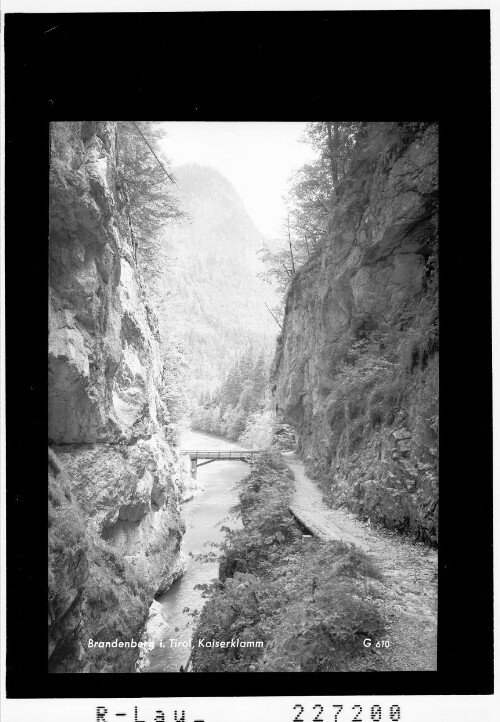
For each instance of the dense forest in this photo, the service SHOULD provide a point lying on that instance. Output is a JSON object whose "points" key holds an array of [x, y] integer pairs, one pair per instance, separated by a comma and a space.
{"points": [[241, 407]]}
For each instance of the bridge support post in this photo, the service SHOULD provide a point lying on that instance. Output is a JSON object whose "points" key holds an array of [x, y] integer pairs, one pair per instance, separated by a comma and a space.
{"points": [[194, 466]]}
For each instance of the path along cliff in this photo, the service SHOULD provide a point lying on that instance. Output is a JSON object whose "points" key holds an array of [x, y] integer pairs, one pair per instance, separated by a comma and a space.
{"points": [[357, 364], [408, 588], [356, 374]]}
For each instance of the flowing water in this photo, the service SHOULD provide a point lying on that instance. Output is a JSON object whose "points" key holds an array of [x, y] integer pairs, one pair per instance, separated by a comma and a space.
{"points": [[203, 516]]}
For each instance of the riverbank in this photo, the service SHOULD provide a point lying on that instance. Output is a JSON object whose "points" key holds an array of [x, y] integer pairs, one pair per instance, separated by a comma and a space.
{"points": [[305, 605]]}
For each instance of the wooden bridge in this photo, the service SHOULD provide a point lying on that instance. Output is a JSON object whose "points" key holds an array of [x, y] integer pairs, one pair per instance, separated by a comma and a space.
{"points": [[209, 456]]}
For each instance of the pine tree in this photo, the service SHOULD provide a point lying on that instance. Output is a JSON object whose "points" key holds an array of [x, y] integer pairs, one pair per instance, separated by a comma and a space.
{"points": [[260, 376], [148, 195], [239, 400]]}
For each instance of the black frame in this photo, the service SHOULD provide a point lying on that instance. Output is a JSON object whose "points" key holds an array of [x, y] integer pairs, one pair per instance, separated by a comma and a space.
{"points": [[369, 65]]}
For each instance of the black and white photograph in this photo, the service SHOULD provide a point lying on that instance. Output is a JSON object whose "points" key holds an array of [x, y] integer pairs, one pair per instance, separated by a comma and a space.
{"points": [[233, 327], [243, 396]]}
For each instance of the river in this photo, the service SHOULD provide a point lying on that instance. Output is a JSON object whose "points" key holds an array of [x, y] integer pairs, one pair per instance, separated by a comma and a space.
{"points": [[203, 515]]}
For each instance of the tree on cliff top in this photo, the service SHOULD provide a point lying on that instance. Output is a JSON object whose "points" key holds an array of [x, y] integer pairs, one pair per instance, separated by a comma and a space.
{"points": [[149, 196], [149, 202], [311, 198], [313, 187]]}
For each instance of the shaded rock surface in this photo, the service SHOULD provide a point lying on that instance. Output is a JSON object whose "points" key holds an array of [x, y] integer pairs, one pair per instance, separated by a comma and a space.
{"points": [[356, 369], [107, 415]]}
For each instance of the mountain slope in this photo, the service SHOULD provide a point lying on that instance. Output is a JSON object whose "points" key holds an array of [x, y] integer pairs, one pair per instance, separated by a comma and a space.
{"points": [[216, 296]]}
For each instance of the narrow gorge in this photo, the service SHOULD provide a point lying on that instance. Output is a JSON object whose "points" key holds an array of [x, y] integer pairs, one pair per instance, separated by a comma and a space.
{"points": [[313, 356]]}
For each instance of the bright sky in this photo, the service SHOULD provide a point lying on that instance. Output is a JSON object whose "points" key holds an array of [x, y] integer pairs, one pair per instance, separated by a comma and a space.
{"points": [[257, 157]]}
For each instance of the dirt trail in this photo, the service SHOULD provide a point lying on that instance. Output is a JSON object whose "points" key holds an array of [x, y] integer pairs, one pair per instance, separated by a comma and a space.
{"points": [[407, 594]]}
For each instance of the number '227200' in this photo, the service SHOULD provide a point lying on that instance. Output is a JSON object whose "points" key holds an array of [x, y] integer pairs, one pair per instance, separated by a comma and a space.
{"points": [[341, 713]]}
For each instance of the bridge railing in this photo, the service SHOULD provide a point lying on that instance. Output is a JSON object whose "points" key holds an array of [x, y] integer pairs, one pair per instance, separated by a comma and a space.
{"points": [[223, 454]]}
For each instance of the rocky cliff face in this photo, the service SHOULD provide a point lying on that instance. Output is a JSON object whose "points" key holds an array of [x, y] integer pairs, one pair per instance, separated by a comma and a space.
{"points": [[114, 505], [356, 370]]}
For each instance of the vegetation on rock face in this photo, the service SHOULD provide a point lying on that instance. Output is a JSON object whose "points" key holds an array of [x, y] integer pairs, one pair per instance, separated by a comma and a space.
{"points": [[150, 203], [310, 603], [311, 199], [94, 593], [147, 193], [384, 418], [115, 394], [356, 368]]}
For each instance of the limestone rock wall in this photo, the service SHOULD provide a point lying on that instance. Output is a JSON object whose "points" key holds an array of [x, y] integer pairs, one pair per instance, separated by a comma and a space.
{"points": [[106, 408], [356, 369]]}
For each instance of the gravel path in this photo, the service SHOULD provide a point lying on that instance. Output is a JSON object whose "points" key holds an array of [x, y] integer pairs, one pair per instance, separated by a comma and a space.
{"points": [[407, 594]]}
